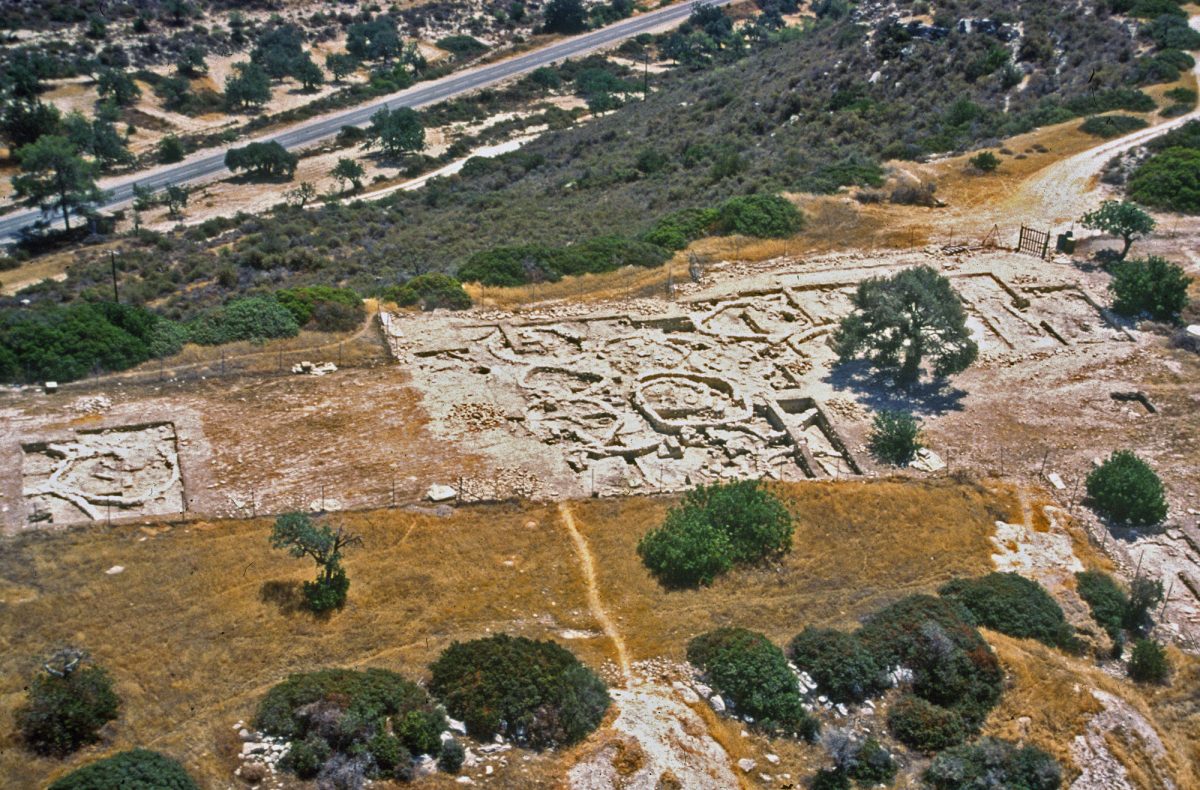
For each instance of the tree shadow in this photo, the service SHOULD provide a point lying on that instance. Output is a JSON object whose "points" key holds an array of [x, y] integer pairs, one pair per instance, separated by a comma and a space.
{"points": [[288, 596], [876, 391]]}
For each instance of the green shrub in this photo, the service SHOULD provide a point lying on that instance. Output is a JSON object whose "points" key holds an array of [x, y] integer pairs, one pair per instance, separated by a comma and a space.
{"points": [[1168, 180], [66, 712], [1149, 285], [326, 594], [535, 693], [69, 342], [1125, 489], [924, 726], [1107, 126], [686, 551], [333, 713], [994, 763], [254, 318], [830, 779], [452, 756], [519, 265], [679, 228], [895, 437], [462, 47], [1144, 594], [713, 528], [1148, 663], [952, 664], [1182, 96], [760, 216], [1013, 605], [843, 669], [132, 770], [305, 757], [1096, 102], [753, 674], [1105, 598], [386, 750], [420, 731], [873, 765], [318, 306], [985, 162], [430, 292]]}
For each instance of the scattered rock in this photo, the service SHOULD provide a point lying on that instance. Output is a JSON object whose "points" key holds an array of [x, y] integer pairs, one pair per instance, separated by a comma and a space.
{"points": [[718, 704], [440, 493], [746, 764], [114, 570]]}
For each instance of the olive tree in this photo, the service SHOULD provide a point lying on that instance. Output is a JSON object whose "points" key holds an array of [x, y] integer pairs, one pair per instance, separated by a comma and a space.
{"points": [[900, 321], [1120, 218], [301, 537]]}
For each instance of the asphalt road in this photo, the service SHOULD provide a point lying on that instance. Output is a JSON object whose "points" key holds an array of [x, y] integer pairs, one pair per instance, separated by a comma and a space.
{"points": [[208, 166]]}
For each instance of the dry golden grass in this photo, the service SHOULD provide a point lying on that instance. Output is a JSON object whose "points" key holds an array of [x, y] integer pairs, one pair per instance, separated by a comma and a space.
{"points": [[1053, 690], [203, 621], [200, 623], [857, 546]]}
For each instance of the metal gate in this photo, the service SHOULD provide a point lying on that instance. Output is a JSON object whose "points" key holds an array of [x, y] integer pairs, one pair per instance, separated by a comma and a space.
{"points": [[1034, 242]]}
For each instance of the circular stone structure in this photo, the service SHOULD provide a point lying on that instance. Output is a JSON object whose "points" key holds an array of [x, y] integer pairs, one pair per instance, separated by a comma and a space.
{"points": [[671, 401]]}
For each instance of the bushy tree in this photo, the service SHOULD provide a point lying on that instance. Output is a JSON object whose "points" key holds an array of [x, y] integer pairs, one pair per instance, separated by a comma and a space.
{"points": [[565, 16], [68, 703], [191, 62], [118, 87], [993, 763], [753, 674], [301, 537], [843, 669], [1150, 285], [131, 770], [713, 528], [901, 320], [1125, 489], [249, 88], [26, 121], [308, 73], [1013, 605], [397, 132], [350, 170], [895, 437], [1149, 663], [170, 150], [1120, 218], [54, 176], [97, 137], [377, 39], [341, 65], [263, 160], [535, 693]]}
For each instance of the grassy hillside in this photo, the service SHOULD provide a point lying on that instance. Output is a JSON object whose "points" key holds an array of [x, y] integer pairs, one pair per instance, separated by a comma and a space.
{"points": [[810, 109]]}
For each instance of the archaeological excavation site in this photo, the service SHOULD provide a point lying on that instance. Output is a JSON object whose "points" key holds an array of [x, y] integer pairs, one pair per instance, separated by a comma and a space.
{"points": [[600, 395]]}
